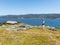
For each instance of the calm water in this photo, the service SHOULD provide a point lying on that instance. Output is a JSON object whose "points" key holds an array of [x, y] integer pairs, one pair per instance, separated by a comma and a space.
{"points": [[48, 22]]}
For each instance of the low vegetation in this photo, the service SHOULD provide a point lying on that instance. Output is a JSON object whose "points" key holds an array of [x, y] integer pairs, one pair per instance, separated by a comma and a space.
{"points": [[33, 36]]}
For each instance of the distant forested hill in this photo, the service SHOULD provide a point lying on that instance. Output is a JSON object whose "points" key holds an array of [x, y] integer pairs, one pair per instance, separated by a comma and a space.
{"points": [[32, 16]]}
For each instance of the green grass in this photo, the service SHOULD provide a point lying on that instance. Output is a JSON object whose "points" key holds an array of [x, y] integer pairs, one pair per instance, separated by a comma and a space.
{"points": [[33, 36]]}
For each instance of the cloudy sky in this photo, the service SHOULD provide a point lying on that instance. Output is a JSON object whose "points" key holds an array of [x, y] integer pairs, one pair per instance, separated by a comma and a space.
{"points": [[29, 6]]}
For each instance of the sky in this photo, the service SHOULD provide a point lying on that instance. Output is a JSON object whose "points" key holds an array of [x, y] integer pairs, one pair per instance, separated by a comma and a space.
{"points": [[18, 7]]}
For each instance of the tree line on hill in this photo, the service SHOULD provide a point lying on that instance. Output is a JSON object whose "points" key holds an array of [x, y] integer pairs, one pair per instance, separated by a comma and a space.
{"points": [[32, 16]]}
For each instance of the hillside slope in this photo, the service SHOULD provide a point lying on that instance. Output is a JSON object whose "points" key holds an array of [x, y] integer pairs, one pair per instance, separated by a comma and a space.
{"points": [[32, 16], [33, 36]]}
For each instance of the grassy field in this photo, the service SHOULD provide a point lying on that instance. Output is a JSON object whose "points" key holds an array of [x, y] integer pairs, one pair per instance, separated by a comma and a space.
{"points": [[33, 36]]}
